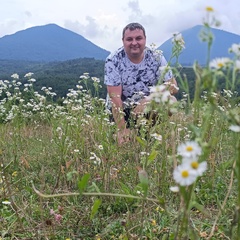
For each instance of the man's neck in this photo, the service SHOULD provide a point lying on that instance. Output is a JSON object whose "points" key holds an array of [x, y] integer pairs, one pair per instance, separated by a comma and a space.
{"points": [[136, 58]]}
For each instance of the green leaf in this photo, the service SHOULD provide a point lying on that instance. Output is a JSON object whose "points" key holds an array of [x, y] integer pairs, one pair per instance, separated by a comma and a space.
{"points": [[95, 208], [96, 188], [125, 188], [199, 207], [143, 177], [82, 184], [70, 175], [141, 141], [152, 156]]}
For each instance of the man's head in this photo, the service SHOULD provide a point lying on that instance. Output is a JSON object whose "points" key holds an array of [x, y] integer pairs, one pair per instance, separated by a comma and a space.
{"points": [[134, 41], [133, 26]]}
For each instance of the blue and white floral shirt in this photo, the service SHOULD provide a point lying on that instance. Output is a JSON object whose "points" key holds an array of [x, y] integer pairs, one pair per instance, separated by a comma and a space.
{"points": [[136, 79]]}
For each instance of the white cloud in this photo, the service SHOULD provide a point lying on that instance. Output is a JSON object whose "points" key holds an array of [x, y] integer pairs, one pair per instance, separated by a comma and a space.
{"points": [[102, 22]]}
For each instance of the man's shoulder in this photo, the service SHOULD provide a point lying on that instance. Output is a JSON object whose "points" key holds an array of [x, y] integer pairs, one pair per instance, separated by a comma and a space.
{"points": [[117, 54], [154, 52], [154, 55]]}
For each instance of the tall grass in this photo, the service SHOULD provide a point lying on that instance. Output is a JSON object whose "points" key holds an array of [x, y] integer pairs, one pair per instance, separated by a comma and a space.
{"points": [[63, 176]]}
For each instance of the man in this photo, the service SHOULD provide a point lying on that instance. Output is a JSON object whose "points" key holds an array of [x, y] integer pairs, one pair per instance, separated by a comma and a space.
{"points": [[129, 74]]}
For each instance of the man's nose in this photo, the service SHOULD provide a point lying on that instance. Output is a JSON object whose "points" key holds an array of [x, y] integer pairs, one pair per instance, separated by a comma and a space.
{"points": [[134, 41]]}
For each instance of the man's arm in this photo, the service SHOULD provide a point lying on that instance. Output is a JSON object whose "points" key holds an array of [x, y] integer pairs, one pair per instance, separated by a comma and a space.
{"points": [[173, 86], [115, 93]]}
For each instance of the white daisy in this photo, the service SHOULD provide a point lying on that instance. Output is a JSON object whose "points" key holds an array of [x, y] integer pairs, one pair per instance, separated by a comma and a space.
{"points": [[178, 39], [15, 76], [159, 94], [189, 149], [28, 74], [235, 128], [237, 64], [219, 63], [235, 49], [174, 189], [157, 136], [184, 175], [200, 168], [6, 202]]}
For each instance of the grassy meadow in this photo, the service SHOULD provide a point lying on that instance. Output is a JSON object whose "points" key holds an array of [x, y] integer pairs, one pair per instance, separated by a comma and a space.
{"points": [[63, 175]]}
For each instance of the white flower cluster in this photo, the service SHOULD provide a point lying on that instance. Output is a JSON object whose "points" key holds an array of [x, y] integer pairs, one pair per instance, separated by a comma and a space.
{"points": [[190, 169], [224, 62], [159, 94], [178, 39]]}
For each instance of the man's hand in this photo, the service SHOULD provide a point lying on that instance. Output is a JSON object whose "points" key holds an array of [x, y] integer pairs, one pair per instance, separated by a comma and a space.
{"points": [[139, 109], [124, 136], [172, 86]]}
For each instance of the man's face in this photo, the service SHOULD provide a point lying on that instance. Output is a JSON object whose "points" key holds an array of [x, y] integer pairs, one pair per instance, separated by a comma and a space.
{"points": [[134, 43]]}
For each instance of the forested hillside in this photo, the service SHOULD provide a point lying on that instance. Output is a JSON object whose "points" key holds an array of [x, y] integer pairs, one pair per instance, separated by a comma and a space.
{"points": [[65, 75], [61, 76]]}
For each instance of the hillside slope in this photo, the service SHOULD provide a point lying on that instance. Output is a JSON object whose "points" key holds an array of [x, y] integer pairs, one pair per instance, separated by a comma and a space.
{"points": [[196, 49], [48, 43]]}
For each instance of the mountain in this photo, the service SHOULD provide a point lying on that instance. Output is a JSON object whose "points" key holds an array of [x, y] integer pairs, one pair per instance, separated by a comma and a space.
{"points": [[196, 50], [48, 43]]}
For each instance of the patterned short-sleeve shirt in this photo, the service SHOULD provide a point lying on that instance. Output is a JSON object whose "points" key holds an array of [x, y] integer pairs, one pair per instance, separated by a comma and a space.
{"points": [[135, 79]]}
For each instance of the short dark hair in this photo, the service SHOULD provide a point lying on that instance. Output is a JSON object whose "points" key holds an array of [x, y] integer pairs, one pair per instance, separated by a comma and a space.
{"points": [[133, 26]]}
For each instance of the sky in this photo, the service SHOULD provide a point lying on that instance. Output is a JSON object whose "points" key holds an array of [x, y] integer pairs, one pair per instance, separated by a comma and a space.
{"points": [[102, 21]]}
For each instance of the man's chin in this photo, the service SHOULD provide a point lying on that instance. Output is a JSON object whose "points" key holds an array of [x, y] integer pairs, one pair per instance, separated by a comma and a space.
{"points": [[135, 52]]}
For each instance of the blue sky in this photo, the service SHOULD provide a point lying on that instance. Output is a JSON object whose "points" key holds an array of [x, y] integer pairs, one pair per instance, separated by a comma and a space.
{"points": [[102, 22]]}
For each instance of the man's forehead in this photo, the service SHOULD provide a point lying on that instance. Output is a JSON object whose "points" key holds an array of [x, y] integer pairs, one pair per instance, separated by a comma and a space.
{"points": [[135, 32]]}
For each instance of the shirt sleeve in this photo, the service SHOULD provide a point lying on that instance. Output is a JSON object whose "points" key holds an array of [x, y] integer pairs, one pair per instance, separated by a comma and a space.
{"points": [[112, 76]]}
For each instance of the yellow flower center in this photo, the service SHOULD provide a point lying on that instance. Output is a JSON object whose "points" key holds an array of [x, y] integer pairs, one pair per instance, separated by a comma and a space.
{"points": [[185, 174], [220, 65], [209, 9], [194, 165], [189, 148]]}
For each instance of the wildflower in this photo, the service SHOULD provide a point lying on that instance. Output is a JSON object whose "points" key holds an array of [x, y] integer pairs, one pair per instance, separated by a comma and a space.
{"points": [[79, 86], [235, 128], [100, 147], [159, 209], [235, 48], [15, 76], [237, 64], [153, 222], [32, 80], [52, 212], [14, 174], [219, 63], [96, 159], [6, 202], [157, 136], [200, 168], [84, 76], [174, 189], [189, 149], [159, 94], [209, 9], [144, 153], [184, 175], [95, 79], [27, 75], [178, 39], [228, 93], [58, 217], [98, 237]]}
